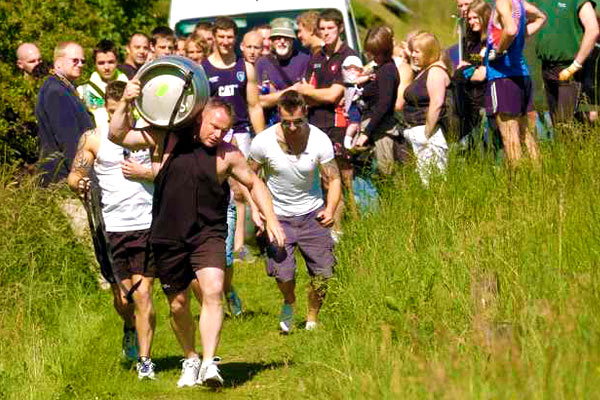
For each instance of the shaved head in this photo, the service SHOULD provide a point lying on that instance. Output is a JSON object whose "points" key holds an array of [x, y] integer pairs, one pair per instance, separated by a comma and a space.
{"points": [[69, 59], [28, 57], [252, 46]]}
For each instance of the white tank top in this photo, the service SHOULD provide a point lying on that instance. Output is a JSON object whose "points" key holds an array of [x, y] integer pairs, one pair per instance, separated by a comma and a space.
{"points": [[126, 204]]}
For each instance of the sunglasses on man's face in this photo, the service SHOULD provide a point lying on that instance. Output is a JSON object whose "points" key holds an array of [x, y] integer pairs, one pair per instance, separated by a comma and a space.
{"points": [[76, 61], [287, 123]]}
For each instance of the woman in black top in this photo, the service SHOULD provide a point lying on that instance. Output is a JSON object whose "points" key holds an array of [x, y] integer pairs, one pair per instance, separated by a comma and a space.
{"points": [[469, 78], [379, 124], [424, 106]]}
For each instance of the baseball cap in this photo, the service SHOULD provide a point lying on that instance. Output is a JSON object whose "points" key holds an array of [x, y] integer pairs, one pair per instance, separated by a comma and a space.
{"points": [[352, 60], [283, 27]]}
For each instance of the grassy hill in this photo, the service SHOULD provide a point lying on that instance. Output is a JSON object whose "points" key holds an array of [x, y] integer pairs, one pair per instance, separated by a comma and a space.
{"points": [[485, 285], [432, 16]]}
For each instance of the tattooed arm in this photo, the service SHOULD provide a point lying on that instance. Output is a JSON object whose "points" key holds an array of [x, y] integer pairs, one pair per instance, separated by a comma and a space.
{"points": [[330, 173], [79, 177]]}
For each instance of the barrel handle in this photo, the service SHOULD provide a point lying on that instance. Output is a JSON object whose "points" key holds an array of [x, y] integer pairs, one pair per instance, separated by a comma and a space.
{"points": [[187, 82]]}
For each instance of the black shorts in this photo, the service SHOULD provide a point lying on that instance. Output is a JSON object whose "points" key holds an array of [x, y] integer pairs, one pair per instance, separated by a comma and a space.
{"points": [[130, 254], [177, 263]]}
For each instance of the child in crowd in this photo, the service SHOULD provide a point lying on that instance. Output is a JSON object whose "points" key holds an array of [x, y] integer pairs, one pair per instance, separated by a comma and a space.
{"points": [[354, 75]]}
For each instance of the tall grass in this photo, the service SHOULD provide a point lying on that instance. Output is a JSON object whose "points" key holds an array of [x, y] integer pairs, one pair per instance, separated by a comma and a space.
{"points": [[483, 285], [44, 273]]}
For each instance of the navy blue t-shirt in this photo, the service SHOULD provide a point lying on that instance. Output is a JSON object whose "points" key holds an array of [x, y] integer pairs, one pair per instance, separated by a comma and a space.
{"points": [[62, 118], [230, 85], [277, 75], [282, 73]]}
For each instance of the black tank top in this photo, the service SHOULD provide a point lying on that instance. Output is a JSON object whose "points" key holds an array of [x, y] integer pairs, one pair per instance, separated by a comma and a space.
{"points": [[416, 101], [189, 202]]}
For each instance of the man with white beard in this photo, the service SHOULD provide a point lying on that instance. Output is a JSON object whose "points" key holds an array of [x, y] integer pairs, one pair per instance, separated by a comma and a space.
{"points": [[281, 69]]}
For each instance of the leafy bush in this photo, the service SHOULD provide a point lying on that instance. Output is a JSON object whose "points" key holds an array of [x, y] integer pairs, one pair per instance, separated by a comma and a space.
{"points": [[46, 24]]}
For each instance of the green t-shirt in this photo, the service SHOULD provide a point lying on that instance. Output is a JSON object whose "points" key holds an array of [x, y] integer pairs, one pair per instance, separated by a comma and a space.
{"points": [[559, 39]]}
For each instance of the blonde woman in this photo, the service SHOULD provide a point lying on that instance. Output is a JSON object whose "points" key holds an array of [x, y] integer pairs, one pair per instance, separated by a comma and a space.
{"points": [[424, 108]]}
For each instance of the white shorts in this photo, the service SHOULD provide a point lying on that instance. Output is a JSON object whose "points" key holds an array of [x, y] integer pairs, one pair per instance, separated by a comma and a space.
{"points": [[431, 153]]}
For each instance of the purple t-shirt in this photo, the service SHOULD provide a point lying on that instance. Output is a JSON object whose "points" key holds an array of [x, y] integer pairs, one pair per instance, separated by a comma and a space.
{"points": [[230, 85], [282, 73]]}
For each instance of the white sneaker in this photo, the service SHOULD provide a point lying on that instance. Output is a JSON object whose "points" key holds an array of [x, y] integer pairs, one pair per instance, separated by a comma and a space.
{"points": [[145, 369], [189, 372], [286, 318], [311, 325], [210, 376]]}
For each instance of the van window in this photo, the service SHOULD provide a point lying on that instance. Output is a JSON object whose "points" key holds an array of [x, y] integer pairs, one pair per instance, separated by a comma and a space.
{"points": [[245, 23]]}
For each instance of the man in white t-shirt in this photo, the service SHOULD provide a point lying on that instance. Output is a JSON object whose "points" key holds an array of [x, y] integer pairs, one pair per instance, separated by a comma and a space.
{"points": [[294, 156], [125, 181]]}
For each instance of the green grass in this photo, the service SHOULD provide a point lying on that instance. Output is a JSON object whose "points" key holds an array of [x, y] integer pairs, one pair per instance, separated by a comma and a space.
{"points": [[485, 286], [431, 16]]}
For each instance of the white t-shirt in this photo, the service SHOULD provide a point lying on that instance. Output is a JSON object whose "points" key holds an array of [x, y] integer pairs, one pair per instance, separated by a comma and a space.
{"points": [[126, 204], [294, 181]]}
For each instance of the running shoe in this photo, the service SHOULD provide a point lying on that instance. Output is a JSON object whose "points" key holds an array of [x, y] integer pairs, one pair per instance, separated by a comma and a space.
{"points": [[336, 236], [311, 325], [235, 303], [189, 372], [244, 255], [286, 318], [145, 369], [129, 344], [209, 376]]}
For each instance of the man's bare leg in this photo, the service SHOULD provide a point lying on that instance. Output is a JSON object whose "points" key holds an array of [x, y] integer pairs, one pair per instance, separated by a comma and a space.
{"points": [[347, 174], [509, 129], [316, 295], [182, 322], [528, 136], [211, 317], [125, 310], [145, 318], [288, 290], [286, 315]]}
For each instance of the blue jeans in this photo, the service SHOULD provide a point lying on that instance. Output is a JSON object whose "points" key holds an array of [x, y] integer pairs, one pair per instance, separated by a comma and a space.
{"points": [[231, 219]]}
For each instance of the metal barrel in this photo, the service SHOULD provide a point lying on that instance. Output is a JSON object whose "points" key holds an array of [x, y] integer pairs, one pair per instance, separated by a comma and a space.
{"points": [[173, 90]]}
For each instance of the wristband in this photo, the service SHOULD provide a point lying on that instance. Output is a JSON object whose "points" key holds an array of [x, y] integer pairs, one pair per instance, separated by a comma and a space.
{"points": [[577, 65]]}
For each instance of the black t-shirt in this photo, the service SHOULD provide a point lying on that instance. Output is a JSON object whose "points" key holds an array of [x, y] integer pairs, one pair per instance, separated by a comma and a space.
{"points": [[380, 98], [128, 70], [322, 72]]}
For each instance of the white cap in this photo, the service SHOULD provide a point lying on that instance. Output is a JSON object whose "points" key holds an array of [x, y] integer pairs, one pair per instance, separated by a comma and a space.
{"points": [[352, 60]]}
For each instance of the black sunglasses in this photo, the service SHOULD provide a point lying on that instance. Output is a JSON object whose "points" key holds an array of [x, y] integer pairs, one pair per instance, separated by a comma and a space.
{"points": [[287, 123]]}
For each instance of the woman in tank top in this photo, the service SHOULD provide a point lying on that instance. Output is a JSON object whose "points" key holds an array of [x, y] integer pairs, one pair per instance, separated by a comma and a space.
{"points": [[424, 106]]}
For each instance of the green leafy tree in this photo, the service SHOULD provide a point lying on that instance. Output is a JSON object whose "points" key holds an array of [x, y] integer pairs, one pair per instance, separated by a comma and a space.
{"points": [[46, 24]]}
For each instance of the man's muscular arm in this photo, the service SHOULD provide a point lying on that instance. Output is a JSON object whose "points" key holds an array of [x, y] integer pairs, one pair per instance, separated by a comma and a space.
{"points": [[330, 173], [331, 95], [87, 148], [258, 190], [587, 17], [255, 110], [536, 18], [120, 130]]}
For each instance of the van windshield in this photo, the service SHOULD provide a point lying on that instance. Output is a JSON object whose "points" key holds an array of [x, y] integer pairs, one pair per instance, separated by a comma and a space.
{"points": [[246, 22]]}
